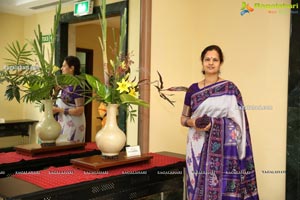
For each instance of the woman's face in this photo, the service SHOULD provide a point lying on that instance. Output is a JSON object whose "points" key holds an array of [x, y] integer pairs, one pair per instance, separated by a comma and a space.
{"points": [[66, 69], [211, 62]]}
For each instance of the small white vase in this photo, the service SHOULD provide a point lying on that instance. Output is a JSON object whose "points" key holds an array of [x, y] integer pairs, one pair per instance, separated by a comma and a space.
{"points": [[111, 139], [48, 129]]}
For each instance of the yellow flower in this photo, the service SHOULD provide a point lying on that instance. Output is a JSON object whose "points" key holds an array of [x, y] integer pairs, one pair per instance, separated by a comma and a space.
{"points": [[132, 92], [55, 69], [123, 86]]}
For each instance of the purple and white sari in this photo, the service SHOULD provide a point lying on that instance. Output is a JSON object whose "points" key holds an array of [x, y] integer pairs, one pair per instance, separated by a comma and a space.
{"points": [[219, 162], [73, 127]]}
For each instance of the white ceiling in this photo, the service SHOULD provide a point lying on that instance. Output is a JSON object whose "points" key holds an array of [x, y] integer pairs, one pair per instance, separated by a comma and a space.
{"points": [[29, 7]]}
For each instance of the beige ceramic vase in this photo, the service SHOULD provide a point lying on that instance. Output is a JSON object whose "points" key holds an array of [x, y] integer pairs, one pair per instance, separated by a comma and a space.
{"points": [[48, 129], [111, 139]]}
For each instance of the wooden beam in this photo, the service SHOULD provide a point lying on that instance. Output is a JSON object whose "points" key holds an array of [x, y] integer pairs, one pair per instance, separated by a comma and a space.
{"points": [[144, 73]]}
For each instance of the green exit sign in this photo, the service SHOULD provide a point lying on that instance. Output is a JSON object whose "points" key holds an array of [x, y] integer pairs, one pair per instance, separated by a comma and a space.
{"points": [[46, 38], [83, 8]]}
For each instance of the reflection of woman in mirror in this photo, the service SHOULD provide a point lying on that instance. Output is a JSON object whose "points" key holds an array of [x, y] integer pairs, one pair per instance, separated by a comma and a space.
{"points": [[70, 106], [219, 154]]}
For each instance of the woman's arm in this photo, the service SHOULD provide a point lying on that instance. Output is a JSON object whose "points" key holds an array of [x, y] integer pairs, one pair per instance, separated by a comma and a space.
{"points": [[79, 109], [186, 117], [187, 121], [76, 111]]}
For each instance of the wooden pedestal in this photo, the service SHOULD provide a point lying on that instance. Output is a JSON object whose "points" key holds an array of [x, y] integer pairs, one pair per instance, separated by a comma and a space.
{"points": [[96, 162]]}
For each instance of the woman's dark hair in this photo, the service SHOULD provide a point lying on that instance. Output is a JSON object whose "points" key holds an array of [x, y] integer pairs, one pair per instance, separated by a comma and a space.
{"points": [[73, 61], [210, 48]]}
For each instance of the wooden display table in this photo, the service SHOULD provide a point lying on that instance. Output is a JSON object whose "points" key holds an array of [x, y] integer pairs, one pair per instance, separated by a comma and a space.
{"points": [[35, 149]]}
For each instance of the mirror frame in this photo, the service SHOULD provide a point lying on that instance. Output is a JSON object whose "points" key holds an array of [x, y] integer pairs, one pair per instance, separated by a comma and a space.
{"points": [[61, 44]]}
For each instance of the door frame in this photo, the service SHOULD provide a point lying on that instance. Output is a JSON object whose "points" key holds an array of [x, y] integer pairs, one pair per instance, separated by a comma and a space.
{"points": [[88, 108]]}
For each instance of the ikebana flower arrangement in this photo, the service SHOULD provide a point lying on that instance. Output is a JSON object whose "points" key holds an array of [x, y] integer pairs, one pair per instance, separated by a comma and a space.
{"points": [[118, 87], [31, 76], [121, 89]]}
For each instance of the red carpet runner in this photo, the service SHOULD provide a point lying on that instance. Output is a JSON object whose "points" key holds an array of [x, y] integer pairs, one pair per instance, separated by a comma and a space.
{"points": [[63, 176]]}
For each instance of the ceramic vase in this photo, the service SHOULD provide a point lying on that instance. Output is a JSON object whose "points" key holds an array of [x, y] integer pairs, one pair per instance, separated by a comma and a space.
{"points": [[48, 129], [111, 139]]}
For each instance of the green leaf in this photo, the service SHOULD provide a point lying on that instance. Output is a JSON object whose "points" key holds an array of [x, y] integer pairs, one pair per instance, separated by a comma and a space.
{"points": [[123, 33], [19, 54], [99, 88], [126, 98], [39, 84], [66, 79], [12, 91]]}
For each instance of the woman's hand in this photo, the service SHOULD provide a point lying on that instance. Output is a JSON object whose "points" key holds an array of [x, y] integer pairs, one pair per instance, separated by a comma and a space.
{"points": [[56, 110], [191, 122], [202, 123], [207, 128]]}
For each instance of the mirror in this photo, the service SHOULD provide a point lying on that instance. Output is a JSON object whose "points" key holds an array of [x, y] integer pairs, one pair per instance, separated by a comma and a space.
{"points": [[71, 28]]}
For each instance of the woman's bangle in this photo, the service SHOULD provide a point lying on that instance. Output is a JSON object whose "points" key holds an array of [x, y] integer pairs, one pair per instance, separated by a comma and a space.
{"points": [[66, 111]]}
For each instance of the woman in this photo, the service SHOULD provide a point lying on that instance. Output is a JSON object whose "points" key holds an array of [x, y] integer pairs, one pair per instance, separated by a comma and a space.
{"points": [[219, 155], [70, 106]]}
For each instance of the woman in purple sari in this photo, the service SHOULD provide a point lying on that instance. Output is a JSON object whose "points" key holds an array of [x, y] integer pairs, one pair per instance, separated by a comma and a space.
{"points": [[219, 154], [70, 106]]}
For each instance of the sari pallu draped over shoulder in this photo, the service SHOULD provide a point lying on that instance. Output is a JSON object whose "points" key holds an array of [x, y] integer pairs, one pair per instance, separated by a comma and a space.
{"points": [[220, 162]]}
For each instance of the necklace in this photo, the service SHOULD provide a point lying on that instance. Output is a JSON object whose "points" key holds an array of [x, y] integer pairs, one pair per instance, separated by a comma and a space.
{"points": [[212, 83]]}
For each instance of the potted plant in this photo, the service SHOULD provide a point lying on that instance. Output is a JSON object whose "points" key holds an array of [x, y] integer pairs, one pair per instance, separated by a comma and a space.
{"points": [[31, 76]]}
